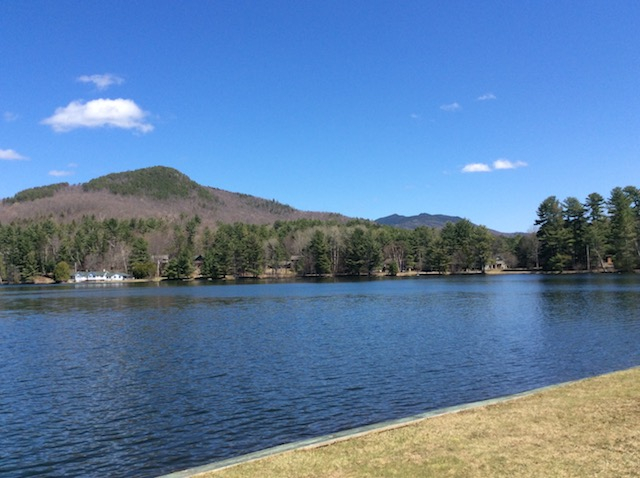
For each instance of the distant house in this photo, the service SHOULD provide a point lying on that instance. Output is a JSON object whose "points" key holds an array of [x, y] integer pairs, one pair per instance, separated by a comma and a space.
{"points": [[160, 260], [104, 276], [198, 261], [498, 264], [607, 264], [86, 276]]}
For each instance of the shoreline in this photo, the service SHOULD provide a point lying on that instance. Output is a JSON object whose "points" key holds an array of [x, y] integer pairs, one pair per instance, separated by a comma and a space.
{"points": [[301, 451], [44, 280]]}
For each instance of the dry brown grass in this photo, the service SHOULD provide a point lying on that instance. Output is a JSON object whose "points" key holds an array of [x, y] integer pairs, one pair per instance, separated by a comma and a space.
{"points": [[588, 428]]}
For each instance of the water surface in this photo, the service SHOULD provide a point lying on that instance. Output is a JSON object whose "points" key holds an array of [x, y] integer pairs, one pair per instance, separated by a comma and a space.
{"points": [[139, 380]]}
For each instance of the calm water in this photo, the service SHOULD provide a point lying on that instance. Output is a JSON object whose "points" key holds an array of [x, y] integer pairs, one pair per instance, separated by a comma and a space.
{"points": [[140, 380]]}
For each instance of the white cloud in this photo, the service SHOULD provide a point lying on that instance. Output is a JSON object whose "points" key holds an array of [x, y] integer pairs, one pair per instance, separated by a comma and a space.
{"points": [[476, 168], [506, 164], [497, 165], [102, 82], [455, 106], [11, 155], [57, 173], [8, 116], [118, 113], [486, 97]]}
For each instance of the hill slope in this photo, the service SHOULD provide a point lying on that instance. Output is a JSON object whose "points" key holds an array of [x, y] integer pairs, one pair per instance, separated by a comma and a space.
{"points": [[424, 219], [150, 192]]}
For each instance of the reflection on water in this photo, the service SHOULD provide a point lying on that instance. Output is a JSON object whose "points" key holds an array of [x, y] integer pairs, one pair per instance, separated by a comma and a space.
{"points": [[145, 379]]}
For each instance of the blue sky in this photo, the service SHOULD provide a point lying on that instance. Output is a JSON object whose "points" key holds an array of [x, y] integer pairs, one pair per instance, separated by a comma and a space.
{"points": [[367, 108]]}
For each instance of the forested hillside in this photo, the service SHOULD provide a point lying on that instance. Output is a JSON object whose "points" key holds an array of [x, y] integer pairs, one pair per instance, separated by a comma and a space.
{"points": [[157, 182], [411, 222], [158, 192]]}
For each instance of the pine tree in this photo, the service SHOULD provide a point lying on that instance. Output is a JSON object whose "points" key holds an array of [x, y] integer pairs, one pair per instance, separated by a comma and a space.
{"points": [[575, 223], [552, 235], [623, 230], [319, 250], [597, 229]]}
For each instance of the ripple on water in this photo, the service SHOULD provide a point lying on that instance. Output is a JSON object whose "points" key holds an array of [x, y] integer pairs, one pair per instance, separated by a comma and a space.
{"points": [[140, 381]]}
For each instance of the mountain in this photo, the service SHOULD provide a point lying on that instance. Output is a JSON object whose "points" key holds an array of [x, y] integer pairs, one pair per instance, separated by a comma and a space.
{"points": [[158, 191], [411, 222], [163, 192]]}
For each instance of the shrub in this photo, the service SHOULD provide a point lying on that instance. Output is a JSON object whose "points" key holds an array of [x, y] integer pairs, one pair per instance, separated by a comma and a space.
{"points": [[62, 272]]}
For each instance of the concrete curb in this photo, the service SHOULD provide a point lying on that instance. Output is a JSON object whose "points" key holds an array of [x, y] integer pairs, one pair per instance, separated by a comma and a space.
{"points": [[355, 432]]}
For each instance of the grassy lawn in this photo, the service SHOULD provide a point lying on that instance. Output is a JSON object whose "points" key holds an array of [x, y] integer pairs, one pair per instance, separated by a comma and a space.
{"points": [[584, 429]]}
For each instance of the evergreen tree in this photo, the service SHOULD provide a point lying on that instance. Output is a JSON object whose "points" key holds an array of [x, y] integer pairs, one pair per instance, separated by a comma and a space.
{"points": [[362, 253], [252, 253], [217, 258], [526, 251], [623, 230], [180, 267], [422, 243], [458, 241], [482, 242], [319, 251], [140, 264], [553, 236], [575, 223], [139, 258], [597, 230], [633, 194], [29, 267], [441, 259]]}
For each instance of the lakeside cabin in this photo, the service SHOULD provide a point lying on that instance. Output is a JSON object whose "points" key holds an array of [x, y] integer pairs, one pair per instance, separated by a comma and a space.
{"points": [[498, 264], [104, 276]]}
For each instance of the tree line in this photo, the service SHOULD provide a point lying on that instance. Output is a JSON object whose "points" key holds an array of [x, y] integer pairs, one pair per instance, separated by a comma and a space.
{"points": [[598, 234], [29, 249], [310, 247], [149, 247], [590, 235]]}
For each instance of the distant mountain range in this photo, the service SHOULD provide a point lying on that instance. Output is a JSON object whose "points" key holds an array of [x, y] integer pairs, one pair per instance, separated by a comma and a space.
{"points": [[167, 193], [411, 222]]}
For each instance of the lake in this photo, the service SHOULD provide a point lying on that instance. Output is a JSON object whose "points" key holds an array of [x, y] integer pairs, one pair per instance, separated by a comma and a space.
{"points": [[139, 380]]}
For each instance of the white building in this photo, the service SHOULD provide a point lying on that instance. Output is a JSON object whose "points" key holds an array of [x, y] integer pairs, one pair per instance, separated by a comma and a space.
{"points": [[104, 276]]}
